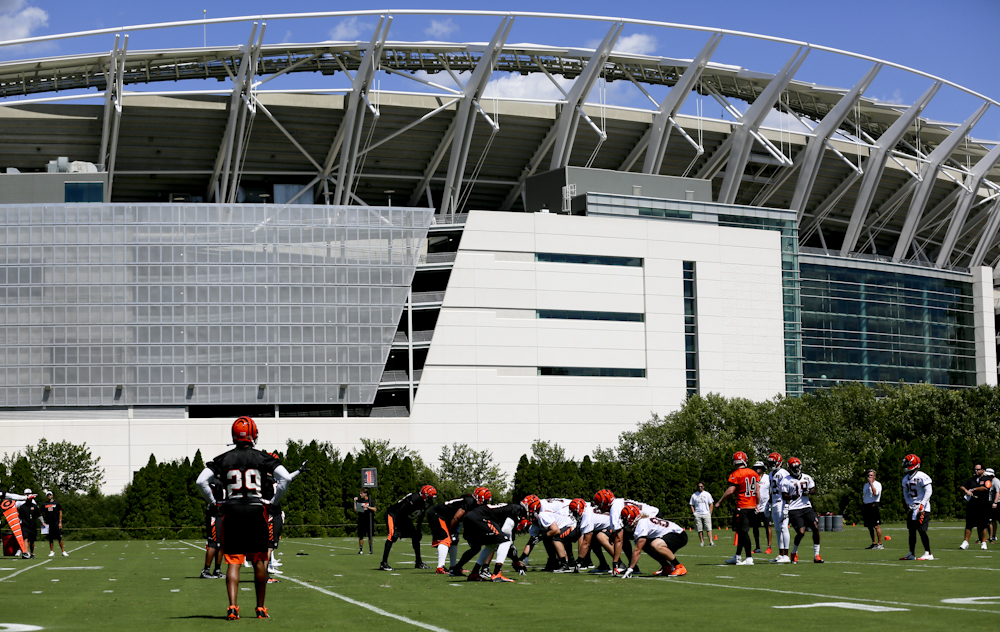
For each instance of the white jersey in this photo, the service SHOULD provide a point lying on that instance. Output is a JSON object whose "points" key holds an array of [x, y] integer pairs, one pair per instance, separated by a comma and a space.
{"points": [[797, 490], [556, 505], [645, 511], [867, 497], [547, 518], [776, 476], [651, 528], [917, 490], [763, 493], [593, 521]]}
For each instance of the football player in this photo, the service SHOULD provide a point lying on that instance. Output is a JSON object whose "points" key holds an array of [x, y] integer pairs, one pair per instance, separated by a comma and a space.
{"points": [[763, 516], [779, 511], [917, 496], [489, 530], [400, 520], [795, 490], [444, 519], [277, 517], [593, 526], [660, 539], [743, 483], [606, 502], [245, 525], [213, 550]]}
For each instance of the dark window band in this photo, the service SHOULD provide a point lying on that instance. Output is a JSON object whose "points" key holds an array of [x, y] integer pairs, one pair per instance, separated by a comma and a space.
{"points": [[599, 260], [569, 314], [584, 371]]}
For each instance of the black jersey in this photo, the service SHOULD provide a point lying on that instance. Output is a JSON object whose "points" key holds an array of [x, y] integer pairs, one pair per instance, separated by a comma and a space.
{"points": [[497, 514], [447, 510], [242, 471], [408, 505]]}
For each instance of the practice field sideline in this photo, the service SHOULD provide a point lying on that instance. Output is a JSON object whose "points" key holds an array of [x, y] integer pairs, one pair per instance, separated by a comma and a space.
{"points": [[154, 584]]}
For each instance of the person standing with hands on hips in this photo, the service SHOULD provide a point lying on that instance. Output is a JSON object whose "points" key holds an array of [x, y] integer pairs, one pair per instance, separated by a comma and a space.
{"points": [[871, 499]]}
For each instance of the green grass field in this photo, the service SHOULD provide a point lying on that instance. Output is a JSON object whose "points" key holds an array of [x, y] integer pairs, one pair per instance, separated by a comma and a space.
{"points": [[155, 585]]}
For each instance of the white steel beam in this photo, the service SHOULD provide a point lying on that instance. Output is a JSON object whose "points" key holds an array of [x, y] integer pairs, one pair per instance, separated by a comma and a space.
{"points": [[989, 235], [248, 111], [116, 116], [929, 178], [812, 156], [744, 136], [966, 199], [110, 84], [875, 165]]}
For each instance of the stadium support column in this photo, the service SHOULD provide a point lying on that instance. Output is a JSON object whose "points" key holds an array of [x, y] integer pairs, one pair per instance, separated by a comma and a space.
{"points": [[659, 131], [988, 237], [964, 205], [986, 344], [465, 118], [409, 343], [875, 165], [569, 117], [741, 140], [929, 175], [216, 190], [114, 78], [813, 153]]}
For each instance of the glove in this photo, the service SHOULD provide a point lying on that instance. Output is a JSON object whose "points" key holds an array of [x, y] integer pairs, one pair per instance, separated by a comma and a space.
{"points": [[454, 539], [627, 574], [304, 467], [521, 571]]}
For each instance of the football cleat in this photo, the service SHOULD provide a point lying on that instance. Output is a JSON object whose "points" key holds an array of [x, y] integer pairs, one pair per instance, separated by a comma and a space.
{"points": [[232, 613], [911, 463], [476, 577], [818, 560], [262, 613], [384, 567], [420, 566], [427, 492], [563, 567], [458, 572], [218, 574], [272, 580], [245, 431], [65, 554], [870, 546], [207, 574], [783, 559], [879, 547], [440, 571], [603, 499], [678, 571], [926, 557], [746, 562], [983, 546], [757, 550], [768, 550], [909, 556], [740, 459], [52, 553], [500, 578], [733, 560], [275, 571], [630, 515], [795, 467], [964, 545]]}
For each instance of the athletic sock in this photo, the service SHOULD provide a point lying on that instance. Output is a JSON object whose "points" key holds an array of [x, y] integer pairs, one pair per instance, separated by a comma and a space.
{"points": [[502, 551], [476, 569], [795, 548], [442, 554], [385, 553], [497, 567], [453, 554], [816, 550]]}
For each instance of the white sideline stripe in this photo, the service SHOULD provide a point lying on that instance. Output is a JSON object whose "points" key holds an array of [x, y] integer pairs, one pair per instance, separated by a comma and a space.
{"points": [[846, 606], [200, 548], [366, 606], [15, 574], [75, 568], [821, 596]]}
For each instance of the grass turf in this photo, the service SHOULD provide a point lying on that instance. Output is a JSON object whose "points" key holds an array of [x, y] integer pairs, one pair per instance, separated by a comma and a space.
{"points": [[155, 585]]}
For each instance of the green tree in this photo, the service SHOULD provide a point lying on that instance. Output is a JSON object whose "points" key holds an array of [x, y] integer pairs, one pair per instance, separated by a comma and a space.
{"points": [[65, 466], [461, 469]]}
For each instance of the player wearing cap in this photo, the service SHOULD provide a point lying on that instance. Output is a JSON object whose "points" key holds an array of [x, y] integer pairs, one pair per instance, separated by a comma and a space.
{"points": [[245, 528], [743, 484], [399, 518], [796, 489], [917, 497], [660, 539], [779, 510]]}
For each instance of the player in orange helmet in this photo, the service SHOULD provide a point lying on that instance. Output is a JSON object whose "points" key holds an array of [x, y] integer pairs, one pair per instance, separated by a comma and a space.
{"points": [[743, 483], [399, 518]]}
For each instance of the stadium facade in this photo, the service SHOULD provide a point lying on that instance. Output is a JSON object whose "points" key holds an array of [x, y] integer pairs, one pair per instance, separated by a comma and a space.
{"points": [[445, 266]]}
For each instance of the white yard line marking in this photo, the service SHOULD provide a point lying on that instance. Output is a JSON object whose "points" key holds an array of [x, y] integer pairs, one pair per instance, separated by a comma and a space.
{"points": [[366, 606], [972, 600], [75, 568], [15, 574], [819, 595], [846, 606]]}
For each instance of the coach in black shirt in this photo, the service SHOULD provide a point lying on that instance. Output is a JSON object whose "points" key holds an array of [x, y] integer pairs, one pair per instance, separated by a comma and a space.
{"points": [[52, 517]]}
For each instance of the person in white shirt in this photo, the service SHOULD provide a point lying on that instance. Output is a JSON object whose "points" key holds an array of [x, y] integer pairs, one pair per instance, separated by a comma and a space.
{"points": [[779, 511], [993, 502], [763, 516], [917, 497], [871, 499], [702, 506], [795, 489]]}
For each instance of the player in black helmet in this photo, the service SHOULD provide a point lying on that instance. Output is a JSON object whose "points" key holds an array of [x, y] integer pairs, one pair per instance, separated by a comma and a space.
{"points": [[245, 529]]}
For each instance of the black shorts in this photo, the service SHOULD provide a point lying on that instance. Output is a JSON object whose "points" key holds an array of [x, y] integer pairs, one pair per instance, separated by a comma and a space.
{"points": [[55, 533], [244, 529], [912, 524], [400, 527], [212, 533], [28, 535], [743, 519], [568, 535], [481, 532], [976, 516], [439, 530], [802, 518], [366, 522], [277, 525], [761, 519], [871, 515], [674, 541]]}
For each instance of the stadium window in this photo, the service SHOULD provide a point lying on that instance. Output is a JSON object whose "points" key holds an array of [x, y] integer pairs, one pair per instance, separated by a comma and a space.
{"points": [[84, 192], [569, 314], [691, 328], [583, 371], [599, 260]]}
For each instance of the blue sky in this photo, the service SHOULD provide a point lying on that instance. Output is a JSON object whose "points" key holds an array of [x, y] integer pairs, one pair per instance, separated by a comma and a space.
{"points": [[956, 43]]}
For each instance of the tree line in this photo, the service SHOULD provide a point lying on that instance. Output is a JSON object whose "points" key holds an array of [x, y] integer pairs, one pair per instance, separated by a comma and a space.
{"points": [[837, 434]]}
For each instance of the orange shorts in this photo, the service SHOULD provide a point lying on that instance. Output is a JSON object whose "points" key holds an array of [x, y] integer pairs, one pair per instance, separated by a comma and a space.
{"points": [[238, 559]]}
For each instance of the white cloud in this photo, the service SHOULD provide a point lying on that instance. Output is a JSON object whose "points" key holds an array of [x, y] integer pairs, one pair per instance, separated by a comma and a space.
{"points": [[441, 28], [533, 86], [18, 21], [347, 30], [637, 43], [897, 97]]}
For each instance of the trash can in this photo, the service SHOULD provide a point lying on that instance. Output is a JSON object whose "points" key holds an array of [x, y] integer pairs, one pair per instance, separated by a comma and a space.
{"points": [[837, 523], [824, 523]]}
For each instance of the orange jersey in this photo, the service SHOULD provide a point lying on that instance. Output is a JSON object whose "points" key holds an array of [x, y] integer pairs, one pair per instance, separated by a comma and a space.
{"points": [[745, 481]]}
